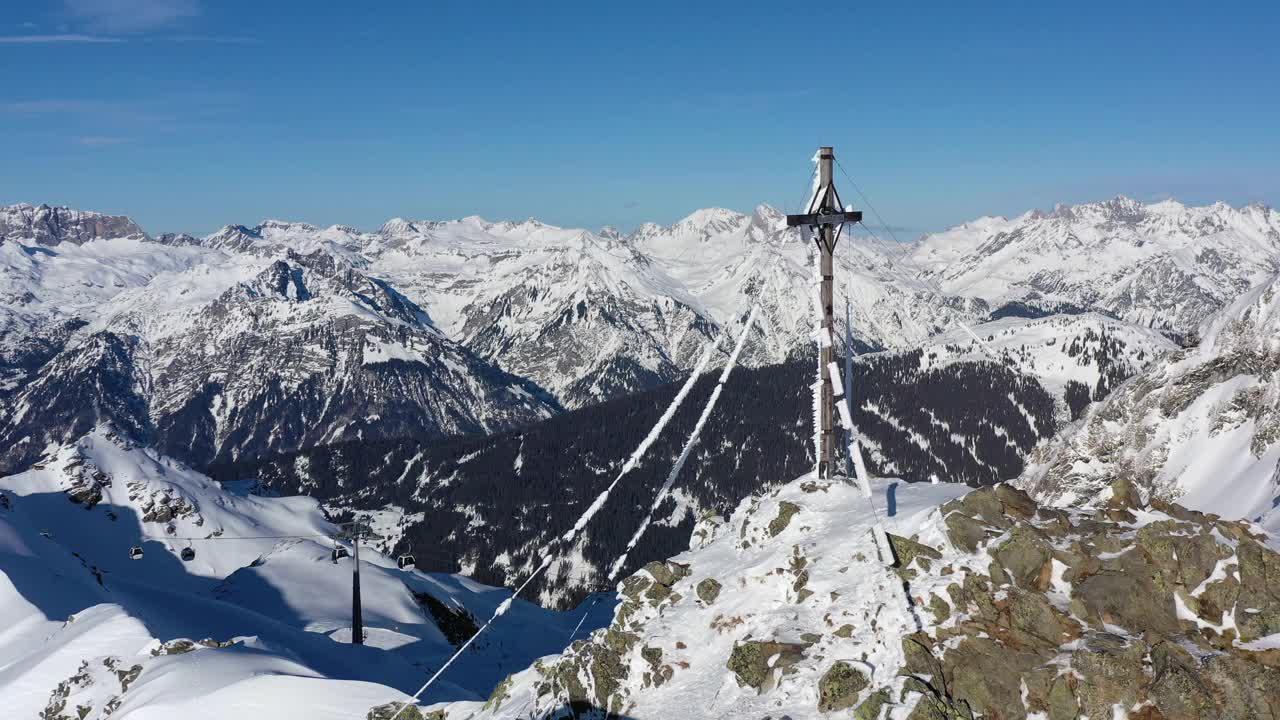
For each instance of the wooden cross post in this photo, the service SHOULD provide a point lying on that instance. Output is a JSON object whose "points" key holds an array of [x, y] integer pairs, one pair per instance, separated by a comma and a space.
{"points": [[827, 216]]}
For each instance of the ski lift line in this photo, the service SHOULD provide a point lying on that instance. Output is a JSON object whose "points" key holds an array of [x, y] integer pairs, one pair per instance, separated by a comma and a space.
{"points": [[233, 537], [599, 501], [981, 343], [688, 445]]}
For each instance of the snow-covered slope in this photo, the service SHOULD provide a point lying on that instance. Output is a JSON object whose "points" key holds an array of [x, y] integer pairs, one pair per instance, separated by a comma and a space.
{"points": [[1078, 358], [582, 315], [1164, 265], [1202, 427], [256, 625], [45, 285]]}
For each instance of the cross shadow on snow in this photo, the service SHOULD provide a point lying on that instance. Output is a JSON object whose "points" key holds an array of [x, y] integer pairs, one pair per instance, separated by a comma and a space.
{"points": [[574, 711], [891, 499]]}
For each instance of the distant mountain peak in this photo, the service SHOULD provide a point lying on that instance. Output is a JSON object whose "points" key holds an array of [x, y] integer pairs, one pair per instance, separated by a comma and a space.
{"points": [[49, 225], [768, 217], [710, 218]]}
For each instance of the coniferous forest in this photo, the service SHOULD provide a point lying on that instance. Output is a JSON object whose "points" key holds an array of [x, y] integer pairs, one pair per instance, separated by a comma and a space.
{"points": [[487, 503]]}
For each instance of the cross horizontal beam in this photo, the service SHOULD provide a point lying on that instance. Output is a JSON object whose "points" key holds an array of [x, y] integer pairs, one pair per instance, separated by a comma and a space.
{"points": [[834, 218]]}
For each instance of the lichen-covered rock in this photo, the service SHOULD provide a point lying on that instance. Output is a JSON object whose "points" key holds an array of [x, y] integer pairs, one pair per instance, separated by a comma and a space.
{"points": [[499, 695], [1259, 599], [1015, 502], [1126, 592], [840, 687], [1025, 556], [754, 662], [1178, 688], [666, 573], [1111, 671], [907, 552], [870, 708], [1056, 614], [708, 590], [786, 511], [985, 505], [965, 532]]}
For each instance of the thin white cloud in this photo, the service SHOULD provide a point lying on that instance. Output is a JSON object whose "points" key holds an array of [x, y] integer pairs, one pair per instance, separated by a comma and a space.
{"points": [[100, 140], [53, 106], [55, 39], [131, 16]]}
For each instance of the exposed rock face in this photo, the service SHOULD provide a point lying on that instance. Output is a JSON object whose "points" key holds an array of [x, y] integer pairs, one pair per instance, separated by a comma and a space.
{"points": [[399, 712], [55, 225], [753, 662]]}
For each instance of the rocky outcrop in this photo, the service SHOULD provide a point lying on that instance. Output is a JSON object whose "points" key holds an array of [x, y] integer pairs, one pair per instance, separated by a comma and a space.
{"points": [[93, 692], [1076, 613], [995, 607]]}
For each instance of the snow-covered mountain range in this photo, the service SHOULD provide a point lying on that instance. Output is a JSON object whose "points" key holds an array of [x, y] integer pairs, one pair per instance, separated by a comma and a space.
{"points": [[213, 355], [590, 315], [1163, 265], [332, 362], [583, 315]]}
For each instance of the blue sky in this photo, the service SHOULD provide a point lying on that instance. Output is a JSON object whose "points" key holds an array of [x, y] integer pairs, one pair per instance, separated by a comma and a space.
{"points": [[190, 114]]}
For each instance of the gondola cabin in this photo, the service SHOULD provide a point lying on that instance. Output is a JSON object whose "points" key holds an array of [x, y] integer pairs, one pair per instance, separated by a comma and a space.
{"points": [[406, 562], [135, 553], [339, 553], [188, 554]]}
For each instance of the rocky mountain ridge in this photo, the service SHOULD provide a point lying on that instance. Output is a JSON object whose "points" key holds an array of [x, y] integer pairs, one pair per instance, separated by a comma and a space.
{"points": [[993, 607]]}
